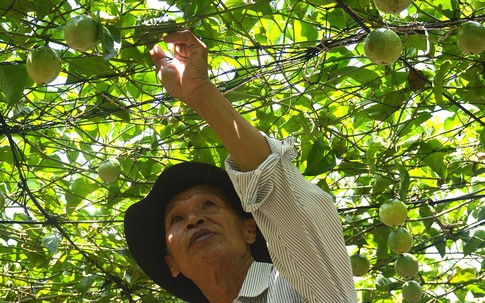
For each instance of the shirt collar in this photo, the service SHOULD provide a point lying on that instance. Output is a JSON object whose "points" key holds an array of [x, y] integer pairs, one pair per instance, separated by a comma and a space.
{"points": [[257, 280]]}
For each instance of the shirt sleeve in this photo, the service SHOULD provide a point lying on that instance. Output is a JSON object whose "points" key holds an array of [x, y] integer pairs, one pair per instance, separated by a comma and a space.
{"points": [[300, 224]]}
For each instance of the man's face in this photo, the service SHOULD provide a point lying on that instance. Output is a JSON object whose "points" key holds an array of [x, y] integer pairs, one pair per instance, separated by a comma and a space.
{"points": [[202, 227]]}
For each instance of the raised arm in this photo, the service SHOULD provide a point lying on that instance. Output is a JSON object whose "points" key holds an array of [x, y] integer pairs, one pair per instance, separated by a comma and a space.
{"points": [[299, 220], [185, 78]]}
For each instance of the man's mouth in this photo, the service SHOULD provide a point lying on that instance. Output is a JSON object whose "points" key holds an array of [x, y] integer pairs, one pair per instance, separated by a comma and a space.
{"points": [[200, 236]]}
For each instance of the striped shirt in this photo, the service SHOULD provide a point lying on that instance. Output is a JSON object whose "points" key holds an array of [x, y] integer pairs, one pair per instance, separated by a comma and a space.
{"points": [[263, 284], [301, 226]]}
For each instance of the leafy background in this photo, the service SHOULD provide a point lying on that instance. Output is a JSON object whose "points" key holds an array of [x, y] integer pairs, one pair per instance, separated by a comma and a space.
{"points": [[366, 133]]}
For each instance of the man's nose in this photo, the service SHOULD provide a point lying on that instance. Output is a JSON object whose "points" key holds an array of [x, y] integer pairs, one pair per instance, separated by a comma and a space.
{"points": [[194, 220]]}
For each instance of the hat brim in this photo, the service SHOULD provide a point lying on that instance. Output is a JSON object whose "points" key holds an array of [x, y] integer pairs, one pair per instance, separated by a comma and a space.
{"points": [[145, 230]]}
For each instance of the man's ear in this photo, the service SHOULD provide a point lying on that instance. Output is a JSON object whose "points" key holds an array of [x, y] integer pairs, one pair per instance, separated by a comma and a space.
{"points": [[172, 266], [250, 230]]}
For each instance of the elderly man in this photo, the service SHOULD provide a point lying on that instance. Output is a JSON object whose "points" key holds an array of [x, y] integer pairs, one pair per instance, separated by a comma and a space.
{"points": [[259, 232]]}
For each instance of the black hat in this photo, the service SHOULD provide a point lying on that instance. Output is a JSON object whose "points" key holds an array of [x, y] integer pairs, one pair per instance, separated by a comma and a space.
{"points": [[145, 229]]}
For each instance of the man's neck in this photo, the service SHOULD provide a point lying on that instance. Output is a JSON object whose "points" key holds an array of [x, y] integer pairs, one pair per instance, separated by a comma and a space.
{"points": [[222, 282]]}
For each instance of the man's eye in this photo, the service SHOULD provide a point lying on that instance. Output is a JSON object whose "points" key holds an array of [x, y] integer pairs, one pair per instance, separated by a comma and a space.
{"points": [[208, 203], [176, 219]]}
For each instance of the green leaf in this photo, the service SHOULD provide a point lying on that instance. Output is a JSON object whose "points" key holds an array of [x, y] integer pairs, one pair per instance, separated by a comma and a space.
{"points": [[13, 80], [394, 101], [381, 184], [411, 125], [441, 248], [476, 242], [426, 215], [378, 112], [463, 274], [51, 242], [17, 6], [305, 31], [320, 159], [461, 294], [419, 42], [82, 68], [113, 106], [381, 234], [43, 8], [108, 41], [386, 284], [482, 136], [77, 191], [2, 201], [404, 182], [474, 92], [478, 4], [131, 52], [372, 153], [432, 154], [353, 168], [86, 283], [363, 76]]}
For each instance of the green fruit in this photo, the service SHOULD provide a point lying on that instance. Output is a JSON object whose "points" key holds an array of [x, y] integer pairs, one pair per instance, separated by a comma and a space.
{"points": [[360, 265], [43, 65], [392, 6], [400, 240], [382, 46], [470, 38], [406, 265], [74, 195], [109, 171], [81, 33], [393, 213], [412, 292]]}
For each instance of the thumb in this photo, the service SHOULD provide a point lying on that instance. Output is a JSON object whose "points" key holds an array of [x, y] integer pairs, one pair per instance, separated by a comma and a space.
{"points": [[170, 76], [158, 56]]}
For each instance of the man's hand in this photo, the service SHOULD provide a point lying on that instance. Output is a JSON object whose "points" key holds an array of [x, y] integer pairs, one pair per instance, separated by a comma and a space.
{"points": [[186, 75], [186, 79]]}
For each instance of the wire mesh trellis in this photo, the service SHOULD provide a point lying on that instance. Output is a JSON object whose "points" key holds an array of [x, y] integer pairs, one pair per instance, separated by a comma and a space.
{"points": [[292, 68]]}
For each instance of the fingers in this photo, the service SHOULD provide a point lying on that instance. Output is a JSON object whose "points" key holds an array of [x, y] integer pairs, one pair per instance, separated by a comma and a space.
{"points": [[158, 56], [189, 62], [183, 37], [186, 44], [170, 73], [166, 71]]}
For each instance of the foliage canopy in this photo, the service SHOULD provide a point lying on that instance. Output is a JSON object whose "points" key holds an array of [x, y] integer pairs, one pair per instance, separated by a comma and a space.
{"points": [[413, 130]]}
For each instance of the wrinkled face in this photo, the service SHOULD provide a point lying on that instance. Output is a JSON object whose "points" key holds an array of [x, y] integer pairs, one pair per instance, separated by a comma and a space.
{"points": [[201, 228]]}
